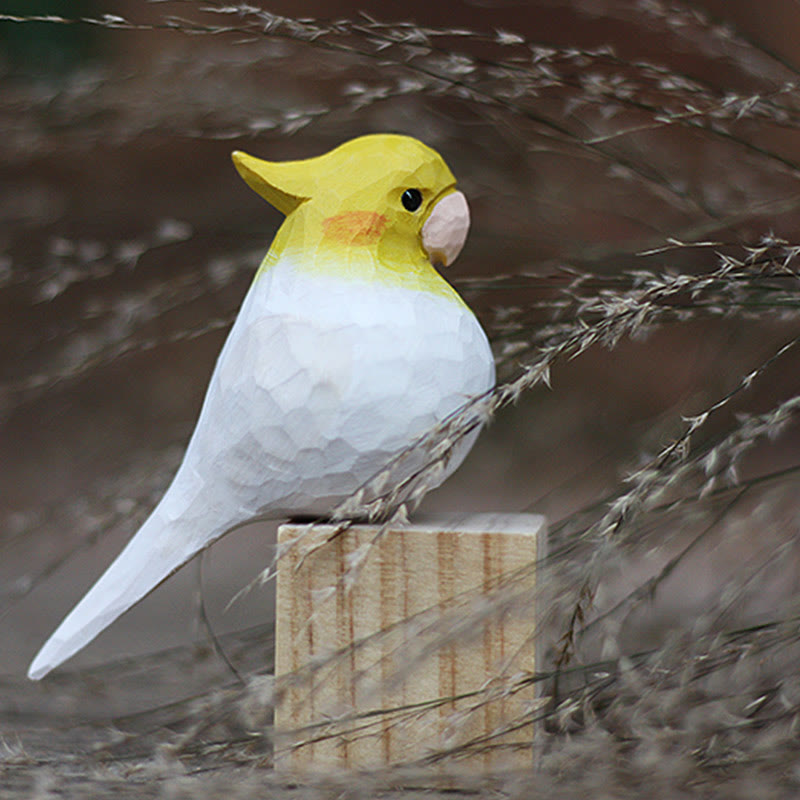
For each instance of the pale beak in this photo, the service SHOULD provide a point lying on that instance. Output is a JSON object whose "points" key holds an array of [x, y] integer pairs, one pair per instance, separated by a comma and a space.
{"points": [[445, 230]]}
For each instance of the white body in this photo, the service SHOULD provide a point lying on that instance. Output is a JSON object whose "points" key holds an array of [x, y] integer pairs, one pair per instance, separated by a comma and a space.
{"points": [[320, 384]]}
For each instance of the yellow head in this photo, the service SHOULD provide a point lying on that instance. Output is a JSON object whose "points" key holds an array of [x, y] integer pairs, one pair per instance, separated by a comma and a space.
{"points": [[382, 207]]}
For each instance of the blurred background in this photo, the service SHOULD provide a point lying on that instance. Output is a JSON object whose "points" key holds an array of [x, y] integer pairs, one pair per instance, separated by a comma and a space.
{"points": [[593, 138]]}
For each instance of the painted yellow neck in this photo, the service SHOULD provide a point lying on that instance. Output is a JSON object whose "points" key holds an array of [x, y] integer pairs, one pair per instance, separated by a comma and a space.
{"points": [[355, 246]]}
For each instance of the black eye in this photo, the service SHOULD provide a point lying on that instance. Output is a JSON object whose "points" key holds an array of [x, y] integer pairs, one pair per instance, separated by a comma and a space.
{"points": [[412, 199]]}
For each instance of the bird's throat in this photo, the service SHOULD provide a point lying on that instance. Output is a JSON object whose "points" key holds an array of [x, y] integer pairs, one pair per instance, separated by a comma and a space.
{"points": [[355, 247]]}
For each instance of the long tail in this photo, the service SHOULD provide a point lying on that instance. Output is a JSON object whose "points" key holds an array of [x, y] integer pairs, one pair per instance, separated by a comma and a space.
{"points": [[164, 543]]}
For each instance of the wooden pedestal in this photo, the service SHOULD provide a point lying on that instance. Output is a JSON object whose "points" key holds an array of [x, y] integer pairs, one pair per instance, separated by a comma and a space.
{"points": [[412, 659]]}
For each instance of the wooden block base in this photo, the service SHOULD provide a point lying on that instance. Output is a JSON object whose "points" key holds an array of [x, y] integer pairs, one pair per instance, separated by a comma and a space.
{"points": [[410, 660]]}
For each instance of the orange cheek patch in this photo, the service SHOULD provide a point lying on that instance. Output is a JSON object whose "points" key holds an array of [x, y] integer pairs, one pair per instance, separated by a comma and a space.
{"points": [[355, 227]]}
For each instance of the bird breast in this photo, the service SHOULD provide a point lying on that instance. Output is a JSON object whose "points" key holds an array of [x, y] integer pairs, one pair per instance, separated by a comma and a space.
{"points": [[323, 381]]}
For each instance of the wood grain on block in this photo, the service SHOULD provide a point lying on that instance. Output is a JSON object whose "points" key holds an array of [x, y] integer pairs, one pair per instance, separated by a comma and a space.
{"points": [[411, 659]]}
